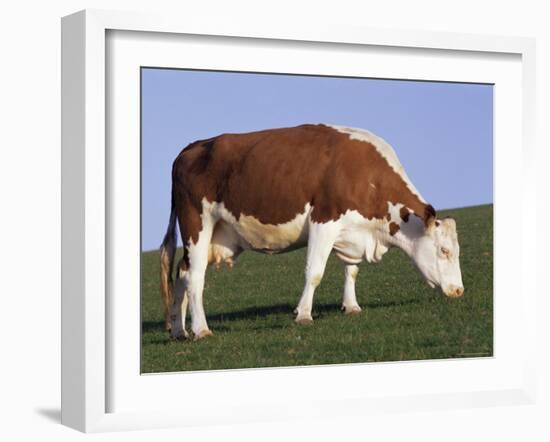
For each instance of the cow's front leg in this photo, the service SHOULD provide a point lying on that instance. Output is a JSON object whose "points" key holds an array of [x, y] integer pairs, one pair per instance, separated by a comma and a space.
{"points": [[320, 243], [349, 303]]}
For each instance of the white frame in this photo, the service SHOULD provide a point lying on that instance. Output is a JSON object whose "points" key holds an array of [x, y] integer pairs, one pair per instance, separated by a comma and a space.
{"points": [[84, 348]]}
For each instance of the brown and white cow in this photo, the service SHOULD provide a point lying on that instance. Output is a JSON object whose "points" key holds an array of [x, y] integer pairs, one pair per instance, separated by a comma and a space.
{"points": [[272, 191]]}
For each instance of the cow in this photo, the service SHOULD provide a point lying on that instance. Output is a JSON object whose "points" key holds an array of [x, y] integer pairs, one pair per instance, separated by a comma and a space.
{"points": [[330, 188]]}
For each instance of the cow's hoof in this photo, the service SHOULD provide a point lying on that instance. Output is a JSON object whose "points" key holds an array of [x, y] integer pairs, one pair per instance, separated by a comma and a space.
{"points": [[305, 320], [354, 310], [202, 334], [180, 336]]}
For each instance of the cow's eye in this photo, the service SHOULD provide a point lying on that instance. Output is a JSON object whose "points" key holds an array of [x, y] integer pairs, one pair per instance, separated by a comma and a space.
{"points": [[445, 251]]}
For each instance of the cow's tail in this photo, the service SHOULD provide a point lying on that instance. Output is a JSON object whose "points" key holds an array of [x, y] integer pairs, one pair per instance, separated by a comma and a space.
{"points": [[167, 252]]}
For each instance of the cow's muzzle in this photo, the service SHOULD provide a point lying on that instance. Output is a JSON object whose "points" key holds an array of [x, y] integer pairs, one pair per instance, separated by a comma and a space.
{"points": [[454, 291]]}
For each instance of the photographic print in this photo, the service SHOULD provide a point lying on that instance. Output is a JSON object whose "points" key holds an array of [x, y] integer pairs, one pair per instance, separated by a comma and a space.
{"points": [[294, 220]]}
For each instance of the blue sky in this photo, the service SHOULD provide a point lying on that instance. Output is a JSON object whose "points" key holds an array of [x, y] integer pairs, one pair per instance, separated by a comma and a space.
{"points": [[441, 132]]}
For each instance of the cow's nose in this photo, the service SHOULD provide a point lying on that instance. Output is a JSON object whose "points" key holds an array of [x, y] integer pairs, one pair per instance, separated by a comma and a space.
{"points": [[455, 291]]}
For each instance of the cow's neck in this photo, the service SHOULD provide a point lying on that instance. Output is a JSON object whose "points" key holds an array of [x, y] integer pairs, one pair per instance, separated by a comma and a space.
{"points": [[408, 235]]}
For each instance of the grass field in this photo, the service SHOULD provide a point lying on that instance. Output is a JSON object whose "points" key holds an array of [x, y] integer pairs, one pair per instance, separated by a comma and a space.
{"points": [[249, 309]]}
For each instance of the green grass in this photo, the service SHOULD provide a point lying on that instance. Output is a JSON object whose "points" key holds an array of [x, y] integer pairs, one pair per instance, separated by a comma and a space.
{"points": [[249, 309]]}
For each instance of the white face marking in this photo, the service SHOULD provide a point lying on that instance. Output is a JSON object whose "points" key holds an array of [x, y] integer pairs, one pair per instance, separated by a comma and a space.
{"points": [[253, 234], [437, 254], [383, 149]]}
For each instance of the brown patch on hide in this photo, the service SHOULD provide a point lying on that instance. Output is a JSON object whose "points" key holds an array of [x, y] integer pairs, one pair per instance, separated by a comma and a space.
{"points": [[272, 174]]}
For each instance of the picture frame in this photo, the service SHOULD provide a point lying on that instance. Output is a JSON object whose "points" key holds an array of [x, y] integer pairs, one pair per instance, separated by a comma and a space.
{"points": [[87, 207]]}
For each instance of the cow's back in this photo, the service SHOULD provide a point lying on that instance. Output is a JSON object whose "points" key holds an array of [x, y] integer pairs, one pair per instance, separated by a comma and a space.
{"points": [[274, 174], [270, 175]]}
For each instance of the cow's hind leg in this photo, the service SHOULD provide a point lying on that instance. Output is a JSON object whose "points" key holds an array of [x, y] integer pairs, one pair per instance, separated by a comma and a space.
{"points": [[178, 310], [182, 271], [320, 243], [198, 261], [196, 229], [349, 303]]}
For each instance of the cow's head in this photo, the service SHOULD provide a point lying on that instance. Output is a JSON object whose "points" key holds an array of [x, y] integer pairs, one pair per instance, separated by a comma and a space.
{"points": [[436, 254]]}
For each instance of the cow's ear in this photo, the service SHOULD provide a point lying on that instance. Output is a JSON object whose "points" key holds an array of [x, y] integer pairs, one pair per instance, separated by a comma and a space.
{"points": [[429, 217]]}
